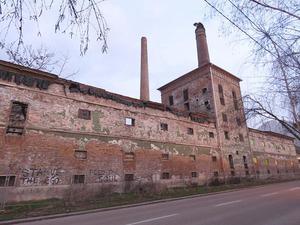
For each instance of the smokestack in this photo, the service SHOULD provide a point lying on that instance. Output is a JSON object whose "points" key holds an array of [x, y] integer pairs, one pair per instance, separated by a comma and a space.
{"points": [[202, 48], [144, 91]]}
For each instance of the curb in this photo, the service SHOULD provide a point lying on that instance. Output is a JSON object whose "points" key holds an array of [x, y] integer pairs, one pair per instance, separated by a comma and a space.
{"points": [[39, 218]]}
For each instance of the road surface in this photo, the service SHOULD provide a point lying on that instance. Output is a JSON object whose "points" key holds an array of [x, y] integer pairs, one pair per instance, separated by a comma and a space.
{"points": [[277, 204]]}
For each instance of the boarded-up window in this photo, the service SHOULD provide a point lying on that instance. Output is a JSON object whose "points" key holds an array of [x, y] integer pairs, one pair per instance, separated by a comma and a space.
{"points": [[129, 156], [84, 114], [194, 174], [171, 100], [164, 126], [78, 179], [185, 95], [129, 177], [165, 176], [190, 131], [17, 118]]}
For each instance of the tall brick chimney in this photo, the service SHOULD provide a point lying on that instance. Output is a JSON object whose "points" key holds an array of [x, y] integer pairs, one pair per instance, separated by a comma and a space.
{"points": [[202, 48], [144, 88]]}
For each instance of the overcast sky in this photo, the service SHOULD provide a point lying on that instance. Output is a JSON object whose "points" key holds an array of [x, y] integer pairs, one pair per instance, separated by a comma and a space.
{"points": [[168, 26]]}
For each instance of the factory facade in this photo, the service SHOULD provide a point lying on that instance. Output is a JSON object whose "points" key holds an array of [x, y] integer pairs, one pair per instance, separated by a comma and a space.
{"points": [[57, 134]]}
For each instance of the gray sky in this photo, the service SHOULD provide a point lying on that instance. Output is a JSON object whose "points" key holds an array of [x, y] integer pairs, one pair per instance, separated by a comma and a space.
{"points": [[168, 25]]}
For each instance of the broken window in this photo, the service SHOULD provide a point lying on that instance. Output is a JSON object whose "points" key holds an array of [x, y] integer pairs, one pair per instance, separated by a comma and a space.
{"points": [[165, 176], [129, 121], [187, 106], [185, 95], [165, 156], [171, 100], [129, 177], [224, 116], [78, 179], [17, 118], [231, 164], [190, 131], [84, 114], [226, 134], [194, 174], [164, 126], [193, 157], [129, 156], [214, 158], [211, 134], [7, 181], [241, 137]]}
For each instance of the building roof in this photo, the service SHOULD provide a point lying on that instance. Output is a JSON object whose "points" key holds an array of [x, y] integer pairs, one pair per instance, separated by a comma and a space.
{"points": [[271, 133], [200, 68]]}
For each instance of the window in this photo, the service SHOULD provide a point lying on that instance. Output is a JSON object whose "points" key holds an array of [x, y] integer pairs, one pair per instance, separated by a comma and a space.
{"points": [[226, 134], [17, 118], [80, 154], [129, 156], [267, 162], [235, 101], [238, 122], [193, 157], [129, 121], [185, 95], [171, 100], [84, 114], [207, 105], [187, 106], [245, 162], [222, 101], [214, 158], [164, 126], [78, 179], [194, 174], [221, 94], [190, 131], [224, 116], [247, 172], [204, 90], [232, 172], [165, 176], [237, 152], [216, 173], [255, 160], [7, 181], [165, 156], [129, 177], [230, 158], [241, 137], [211, 134], [268, 171]]}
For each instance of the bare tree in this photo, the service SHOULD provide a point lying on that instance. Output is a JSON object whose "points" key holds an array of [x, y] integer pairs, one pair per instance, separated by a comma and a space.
{"points": [[74, 17], [273, 27]]}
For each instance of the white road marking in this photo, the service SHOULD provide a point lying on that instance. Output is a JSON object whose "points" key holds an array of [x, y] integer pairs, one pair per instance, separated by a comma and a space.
{"points": [[228, 203], [269, 194], [153, 219], [294, 189]]}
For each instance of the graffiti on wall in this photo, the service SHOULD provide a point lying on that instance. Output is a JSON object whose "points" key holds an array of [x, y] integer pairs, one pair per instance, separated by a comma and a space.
{"points": [[40, 176], [105, 176]]}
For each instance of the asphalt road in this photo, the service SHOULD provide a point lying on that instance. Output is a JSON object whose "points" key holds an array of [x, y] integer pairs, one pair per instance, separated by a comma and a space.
{"points": [[277, 204]]}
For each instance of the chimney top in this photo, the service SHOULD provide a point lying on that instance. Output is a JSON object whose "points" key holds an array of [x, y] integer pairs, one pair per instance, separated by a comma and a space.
{"points": [[199, 26]]}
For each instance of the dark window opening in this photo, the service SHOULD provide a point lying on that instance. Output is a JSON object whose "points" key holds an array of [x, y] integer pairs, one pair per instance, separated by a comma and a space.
{"points": [[238, 122], [221, 94], [17, 118], [164, 126], [190, 131], [278, 172], [171, 100], [204, 90], [224, 116], [165, 156], [165, 176], [207, 105], [187, 106], [211, 134], [129, 156], [7, 181], [129, 121], [185, 95], [193, 157], [129, 177], [214, 158], [247, 172], [268, 171], [222, 101], [241, 137], [194, 174], [226, 134], [232, 172], [216, 173], [237, 152], [231, 163], [236, 104], [78, 179], [84, 114]]}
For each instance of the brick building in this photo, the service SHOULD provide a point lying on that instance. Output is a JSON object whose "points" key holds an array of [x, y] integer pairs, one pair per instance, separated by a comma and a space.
{"points": [[56, 134]]}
